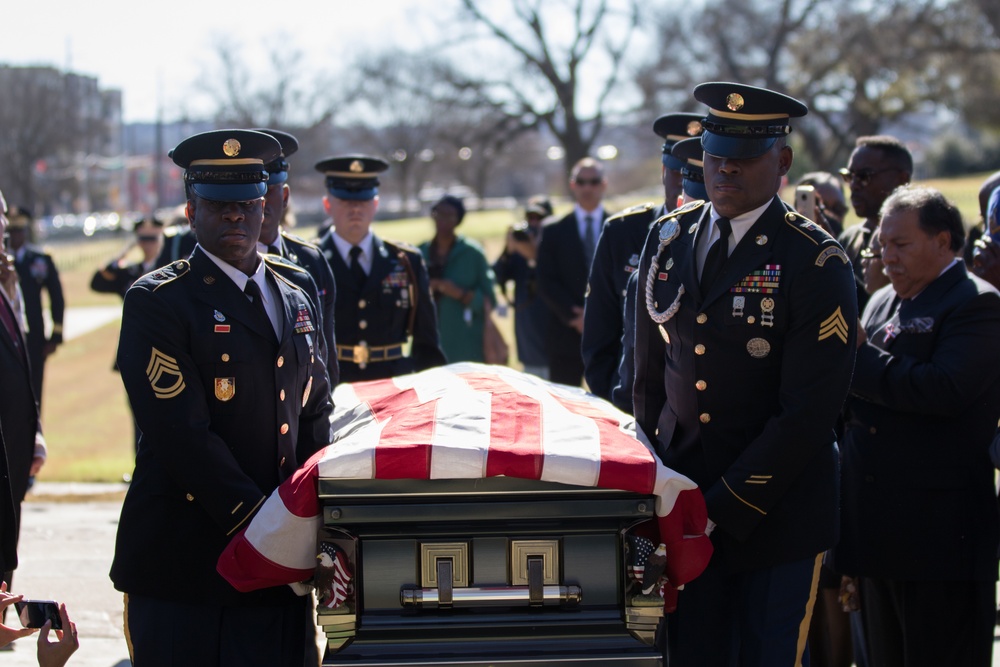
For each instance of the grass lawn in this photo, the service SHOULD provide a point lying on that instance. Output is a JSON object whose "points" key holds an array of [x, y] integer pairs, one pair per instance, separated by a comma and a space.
{"points": [[85, 413]]}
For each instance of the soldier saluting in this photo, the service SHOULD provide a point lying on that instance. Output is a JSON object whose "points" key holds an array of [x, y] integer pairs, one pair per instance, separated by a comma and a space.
{"points": [[744, 346], [219, 356], [383, 301]]}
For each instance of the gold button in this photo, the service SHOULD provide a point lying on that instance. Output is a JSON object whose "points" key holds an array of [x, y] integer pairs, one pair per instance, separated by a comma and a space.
{"points": [[281, 394], [189, 497], [705, 417], [699, 349], [284, 429], [702, 318], [751, 319], [312, 359], [701, 385], [362, 303], [281, 362], [363, 324], [282, 462], [225, 357]]}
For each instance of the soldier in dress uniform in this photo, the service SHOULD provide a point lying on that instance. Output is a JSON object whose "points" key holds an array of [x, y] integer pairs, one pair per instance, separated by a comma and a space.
{"points": [[218, 354], [617, 257], [383, 291], [275, 240], [688, 153], [37, 273], [745, 330]]}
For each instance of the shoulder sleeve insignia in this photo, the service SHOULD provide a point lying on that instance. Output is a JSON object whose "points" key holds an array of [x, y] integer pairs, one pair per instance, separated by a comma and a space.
{"points": [[832, 251], [164, 375], [835, 325]]}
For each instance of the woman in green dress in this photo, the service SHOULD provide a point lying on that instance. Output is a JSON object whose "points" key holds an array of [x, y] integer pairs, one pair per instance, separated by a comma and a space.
{"points": [[461, 281]]}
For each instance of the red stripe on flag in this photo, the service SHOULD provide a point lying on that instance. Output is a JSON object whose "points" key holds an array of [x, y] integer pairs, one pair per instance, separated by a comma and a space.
{"points": [[404, 450], [625, 463], [515, 429]]}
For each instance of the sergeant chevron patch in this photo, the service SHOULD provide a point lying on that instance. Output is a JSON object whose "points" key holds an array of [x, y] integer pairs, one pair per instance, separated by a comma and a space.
{"points": [[835, 325], [160, 370]]}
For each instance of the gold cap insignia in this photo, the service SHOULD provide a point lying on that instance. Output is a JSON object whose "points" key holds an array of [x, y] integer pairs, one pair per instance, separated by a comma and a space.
{"points": [[694, 128], [160, 369], [225, 388], [356, 167], [231, 147], [734, 101]]}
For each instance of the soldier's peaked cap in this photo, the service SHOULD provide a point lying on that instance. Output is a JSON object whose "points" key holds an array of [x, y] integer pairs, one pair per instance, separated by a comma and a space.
{"points": [[744, 121], [277, 170], [674, 127], [227, 165], [690, 153], [352, 176]]}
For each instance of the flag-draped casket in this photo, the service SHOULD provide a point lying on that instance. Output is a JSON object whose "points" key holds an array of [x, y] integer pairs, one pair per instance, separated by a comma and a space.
{"points": [[477, 512]]}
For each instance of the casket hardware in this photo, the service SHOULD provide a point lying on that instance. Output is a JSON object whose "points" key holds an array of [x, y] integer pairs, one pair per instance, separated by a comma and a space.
{"points": [[432, 554], [523, 551], [485, 596]]}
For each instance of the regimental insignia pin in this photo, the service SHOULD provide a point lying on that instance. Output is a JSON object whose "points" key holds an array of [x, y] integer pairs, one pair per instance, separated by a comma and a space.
{"points": [[669, 231], [307, 391], [761, 239], [758, 348], [164, 375], [835, 325], [767, 312], [231, 147], [356, 167], [669, 264], [633, 260], [225, 388], [694, 128], [739, 302], [219, 317], [734, 101], [693, 228]]}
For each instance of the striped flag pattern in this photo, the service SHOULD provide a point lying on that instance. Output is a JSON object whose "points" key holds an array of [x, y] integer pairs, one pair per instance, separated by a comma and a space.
{"points": [[467, 420]]}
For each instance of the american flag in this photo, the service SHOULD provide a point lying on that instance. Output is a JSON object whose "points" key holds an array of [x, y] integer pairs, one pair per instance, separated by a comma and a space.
{"points": [[335, 584], [468, 420]]}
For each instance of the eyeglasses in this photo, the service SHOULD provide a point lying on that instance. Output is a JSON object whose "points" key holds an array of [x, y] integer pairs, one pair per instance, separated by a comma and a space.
{"points": [[589, 181], [143, 238], [863, 176], [867, 253]]}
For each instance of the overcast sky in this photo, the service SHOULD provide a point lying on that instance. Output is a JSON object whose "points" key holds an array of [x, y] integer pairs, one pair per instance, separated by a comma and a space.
{"points": [[154, 51]]}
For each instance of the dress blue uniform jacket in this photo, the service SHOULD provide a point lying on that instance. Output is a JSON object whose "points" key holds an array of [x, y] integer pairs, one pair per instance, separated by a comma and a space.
{"points": [[919, 501], [37, 273], [744, 397], [227, 412], [378, 312], [615, 259], [308, 256]]}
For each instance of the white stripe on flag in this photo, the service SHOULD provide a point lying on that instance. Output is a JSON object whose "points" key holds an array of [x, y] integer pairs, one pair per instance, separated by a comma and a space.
{"points": [[461, 438], [282, 537]]}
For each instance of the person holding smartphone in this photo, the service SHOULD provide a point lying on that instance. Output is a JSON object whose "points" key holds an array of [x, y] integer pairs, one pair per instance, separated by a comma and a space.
{"points": [[50, 653]]}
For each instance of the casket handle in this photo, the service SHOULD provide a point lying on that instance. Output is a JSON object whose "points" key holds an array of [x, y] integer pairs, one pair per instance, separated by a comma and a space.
{"points": [[479, 596]]}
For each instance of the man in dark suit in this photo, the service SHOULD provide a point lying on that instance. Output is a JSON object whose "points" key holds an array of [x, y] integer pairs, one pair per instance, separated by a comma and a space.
{"points": [[744, 346], [24, 446], [564, 256], [383, 290], [275, 240], [919, 522], [37, 273], [617, 257], [218, 356]]}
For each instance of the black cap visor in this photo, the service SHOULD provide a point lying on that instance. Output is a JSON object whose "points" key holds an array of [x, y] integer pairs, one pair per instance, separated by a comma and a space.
{"points": [[741, 147], [229, 191]]}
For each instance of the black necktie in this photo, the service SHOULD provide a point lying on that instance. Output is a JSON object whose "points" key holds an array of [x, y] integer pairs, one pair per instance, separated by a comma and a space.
{"points": [[588, 238], [717, 255], [252, 290], [356, 271]]}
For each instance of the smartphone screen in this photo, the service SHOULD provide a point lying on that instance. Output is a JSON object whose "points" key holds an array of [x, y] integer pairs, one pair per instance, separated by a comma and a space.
{"points": [[34, 613]]}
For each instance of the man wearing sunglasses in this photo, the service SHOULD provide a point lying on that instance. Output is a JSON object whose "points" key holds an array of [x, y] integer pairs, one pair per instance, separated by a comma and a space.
{"points": [[878, 165], [564, 258]]}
